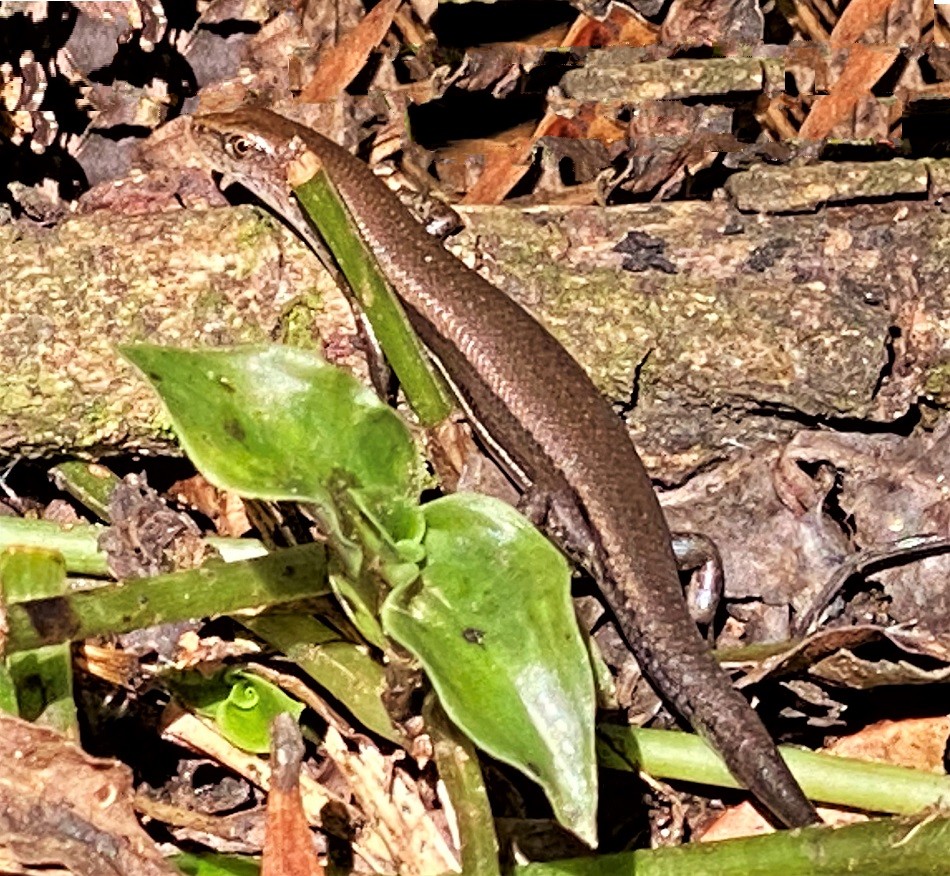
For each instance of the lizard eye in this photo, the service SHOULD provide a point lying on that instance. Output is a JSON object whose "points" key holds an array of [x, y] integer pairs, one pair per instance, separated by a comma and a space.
{"points": [[238, 146]]}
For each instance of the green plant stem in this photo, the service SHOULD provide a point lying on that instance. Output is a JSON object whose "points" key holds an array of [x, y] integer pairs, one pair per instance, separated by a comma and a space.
{"points": [[343, 668], [216, 588], [676, 756], [460, 770], [78, 543], [424, 388], [43, 677], [87, 483], [840, 781], [883, 847]]}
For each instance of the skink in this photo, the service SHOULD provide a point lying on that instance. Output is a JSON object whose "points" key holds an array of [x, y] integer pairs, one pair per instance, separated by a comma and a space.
{"points": [[554, 427]]}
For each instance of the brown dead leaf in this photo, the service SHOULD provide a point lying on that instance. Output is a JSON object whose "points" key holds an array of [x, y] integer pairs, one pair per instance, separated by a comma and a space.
{"points": [[147, 537], [865, 63], [196, 734], [195, 650], [393, 807], [846, 669], [459, 164], [669, 140], [923, 642], [588, 121], [891, 489], [221, 11], [864, 67], [223, 508], [745, 820], [621, 26], [918, 743], [500, 67], [112, 664], [339, 64], [828, 654], [504, 166], [61, 808], [941, 28], [23, 90], [288, 846], [712, 22], [865, 19], [507, 164], [122, 104]]}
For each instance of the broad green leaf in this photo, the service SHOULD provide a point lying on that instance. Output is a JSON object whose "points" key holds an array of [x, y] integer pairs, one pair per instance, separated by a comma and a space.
{"points": [[491, 620], [394, 526], [277, 423]]}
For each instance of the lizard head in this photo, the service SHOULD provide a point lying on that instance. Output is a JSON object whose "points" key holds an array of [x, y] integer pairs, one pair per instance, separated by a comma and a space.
{"points": [[254, 148], [250, 146]]}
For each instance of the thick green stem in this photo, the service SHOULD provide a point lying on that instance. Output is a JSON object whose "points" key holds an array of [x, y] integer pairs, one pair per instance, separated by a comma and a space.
{"points": [[422, 385]]}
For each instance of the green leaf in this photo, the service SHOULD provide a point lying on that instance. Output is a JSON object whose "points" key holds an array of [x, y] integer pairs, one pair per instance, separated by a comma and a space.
{"points": [[31, 573], [8, 701], [491, 620], [210, 864], [343, 668], [390, 532], [391, 525], [277, 423], [42, 677], [240, 703], [360, 597]]}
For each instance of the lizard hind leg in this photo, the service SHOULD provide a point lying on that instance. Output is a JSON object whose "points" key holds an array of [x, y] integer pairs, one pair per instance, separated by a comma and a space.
{"points": [[559, 516], [698, 554]]}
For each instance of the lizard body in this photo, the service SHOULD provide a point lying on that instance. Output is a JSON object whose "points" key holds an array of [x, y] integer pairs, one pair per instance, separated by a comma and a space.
{"points": [[555, 428]]}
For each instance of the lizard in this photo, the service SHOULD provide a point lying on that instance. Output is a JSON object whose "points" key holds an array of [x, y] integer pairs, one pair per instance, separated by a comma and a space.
{"points": [[552, 428]]}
